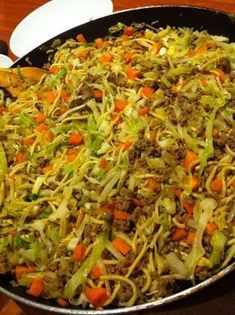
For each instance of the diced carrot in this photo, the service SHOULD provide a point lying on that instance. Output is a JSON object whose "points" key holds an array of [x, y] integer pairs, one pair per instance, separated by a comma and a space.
{"points": [[189, 158], [71, 155], [103, 164], [120, 105], [191, 53], [138, 202], [96, 296], [48, 136], [128, 56], [99, 43], [51, 96], [75, 139], [64, 95], [147, 92], [20, 270], [28, 141], [79, 252], [152, 184], [54, 69], [120, 215], [121, 245], [127, 145], [211, 45], [2, 108], [123, 38], [200, 51], [133, 74], [20, 157], [39, 94], [97, 94], [96, 272], [123, 145], [203, 82], [155, 48], [106, 57], [190, 238], [211, 227], [81, 39], [177, 191], [62, 302], [116, 118], [128, 30], [217, 185], [41, 128], [194, 182], [37, 287], [179, 234], [47, 169], [143, 111], [40, 118], [189, 207], [219, 73]]}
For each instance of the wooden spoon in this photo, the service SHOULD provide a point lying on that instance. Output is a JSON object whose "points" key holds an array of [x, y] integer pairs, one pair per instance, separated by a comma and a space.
{"points": [[16, 80]]}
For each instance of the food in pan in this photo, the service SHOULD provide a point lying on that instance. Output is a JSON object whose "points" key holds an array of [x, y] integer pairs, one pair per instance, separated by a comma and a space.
{"points": [[117, 168]]}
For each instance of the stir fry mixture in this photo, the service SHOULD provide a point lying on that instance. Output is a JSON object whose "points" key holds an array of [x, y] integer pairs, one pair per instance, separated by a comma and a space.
{"points": [[117, 169]]}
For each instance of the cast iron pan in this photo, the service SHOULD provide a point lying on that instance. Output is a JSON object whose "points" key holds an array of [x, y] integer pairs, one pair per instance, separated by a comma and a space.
{"points": [[216, 23]]}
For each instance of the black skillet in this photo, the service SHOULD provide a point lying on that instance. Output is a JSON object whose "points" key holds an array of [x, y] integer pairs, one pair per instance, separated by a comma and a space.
{"points": [[216, 23]]}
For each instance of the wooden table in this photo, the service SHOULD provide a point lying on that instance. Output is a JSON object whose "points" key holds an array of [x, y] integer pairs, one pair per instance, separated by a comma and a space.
{"points": [[216, 300]]}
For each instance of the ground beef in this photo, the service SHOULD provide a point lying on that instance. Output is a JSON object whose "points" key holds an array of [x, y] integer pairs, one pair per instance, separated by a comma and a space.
{"points": [[218, 152], [144, 148], [125, 200], [177, 151], [3, 137], [139, 211], [165, 287], [224, 138], [117, 79], [77, 195], [188, 115], [93, 187], [84, 91], [125, 293], [201, 273], [123, 225], [91, 231], [231, 139], [224, 64], [169, 246], [4, 265], [42, 162], [52, 185]]}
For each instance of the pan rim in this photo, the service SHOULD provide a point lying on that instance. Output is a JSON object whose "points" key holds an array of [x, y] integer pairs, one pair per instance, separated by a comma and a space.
{"points": [[202, 8], [136, 308], [148, 305]]}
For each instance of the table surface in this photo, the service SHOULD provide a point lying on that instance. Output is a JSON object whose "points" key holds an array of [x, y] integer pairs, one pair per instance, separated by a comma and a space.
{"points": [[215, 300]]}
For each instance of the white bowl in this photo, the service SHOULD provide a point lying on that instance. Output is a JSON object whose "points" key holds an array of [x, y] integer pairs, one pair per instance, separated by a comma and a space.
{"points": [[53, 18], [5, 62]]}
